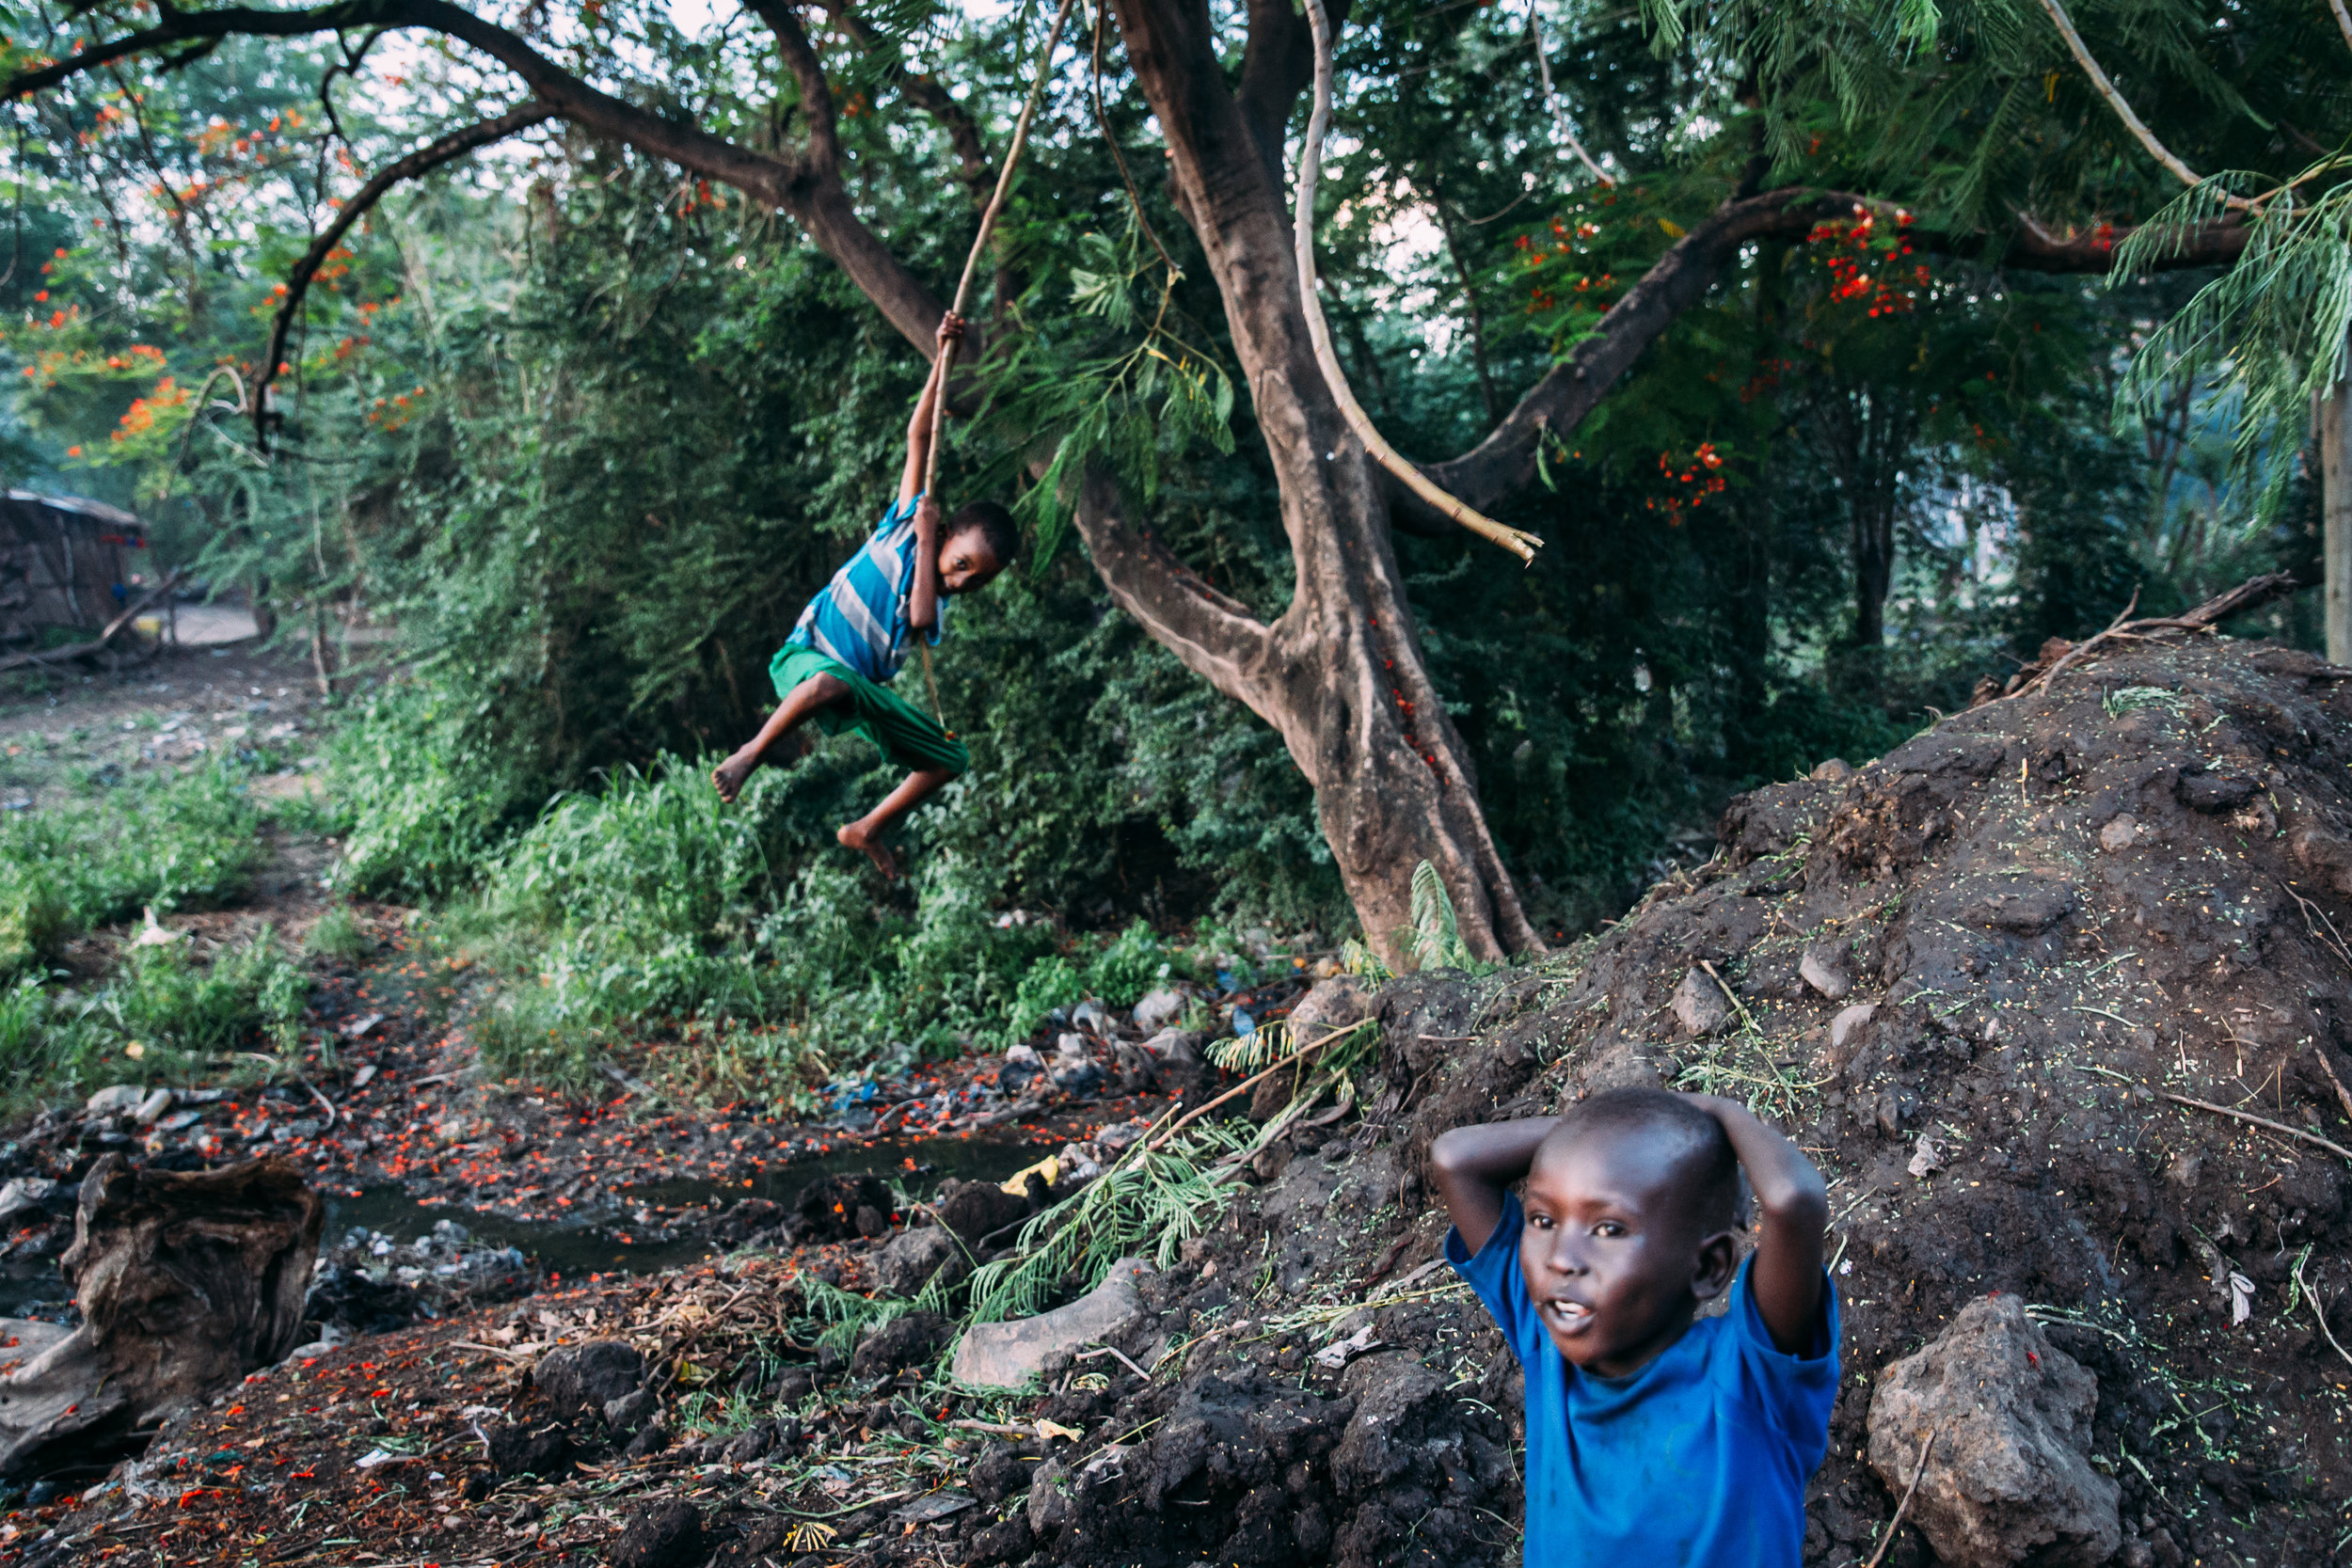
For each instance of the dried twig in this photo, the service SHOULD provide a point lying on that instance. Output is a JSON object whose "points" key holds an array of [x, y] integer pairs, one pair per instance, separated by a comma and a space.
{"points": [[97, 645], [1251, 1082], [1111, 1350], [2317, 1310], [2335, 1149], [1904, 1506], [1729, 995], [2327, 1067]]}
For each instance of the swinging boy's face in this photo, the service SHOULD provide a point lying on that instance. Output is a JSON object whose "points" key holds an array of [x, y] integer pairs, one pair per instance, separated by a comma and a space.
{"points": [[966, 562]]}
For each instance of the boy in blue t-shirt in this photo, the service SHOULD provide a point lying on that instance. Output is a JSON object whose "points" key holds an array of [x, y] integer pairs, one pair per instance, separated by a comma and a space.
{"points": [[1653, 1436]]}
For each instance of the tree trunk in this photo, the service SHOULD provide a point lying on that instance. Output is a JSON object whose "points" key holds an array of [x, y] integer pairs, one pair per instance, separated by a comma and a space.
{"points": [[1873, 571], [2335, 464], [1339, 673], [187, 1282]]}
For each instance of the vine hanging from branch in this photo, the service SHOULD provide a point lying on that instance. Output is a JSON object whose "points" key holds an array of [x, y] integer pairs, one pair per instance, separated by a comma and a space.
{"points": [[1518, 541]]}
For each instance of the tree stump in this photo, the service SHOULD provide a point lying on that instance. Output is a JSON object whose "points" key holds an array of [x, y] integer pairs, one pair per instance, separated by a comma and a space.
{"points": [[186, 1281]]}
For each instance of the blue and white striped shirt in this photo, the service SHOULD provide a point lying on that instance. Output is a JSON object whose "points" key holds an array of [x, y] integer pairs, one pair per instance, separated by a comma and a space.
{"points": [[861, 617]]}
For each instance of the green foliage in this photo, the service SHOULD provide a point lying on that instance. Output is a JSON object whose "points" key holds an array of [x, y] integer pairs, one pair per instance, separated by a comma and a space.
{"points": [[2269, 333], [338, 934], [1437, 937], [1146, 1205], [166, 1001]]}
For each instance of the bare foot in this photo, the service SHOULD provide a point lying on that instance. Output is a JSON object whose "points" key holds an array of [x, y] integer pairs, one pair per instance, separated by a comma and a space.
{"points": [[729, 775], [854, 835]]}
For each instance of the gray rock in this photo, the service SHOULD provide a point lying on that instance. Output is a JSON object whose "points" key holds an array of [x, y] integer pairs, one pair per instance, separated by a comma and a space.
{"points": [[115, 1101], [1005, 1355], [1175, 1048], [2010, 1480], [1091, 1016], [153, 1106], [24, 1196], [1699, 1004], [1842, 1027], [588, 1376], [2120, 833], [1159, 1008], [906, 1263], [1825, 970], [630, 1411], [1330, 1006]]}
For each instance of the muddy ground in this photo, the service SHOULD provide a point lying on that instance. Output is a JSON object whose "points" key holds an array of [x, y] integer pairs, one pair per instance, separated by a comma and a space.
{"points": [[1981, 979]]}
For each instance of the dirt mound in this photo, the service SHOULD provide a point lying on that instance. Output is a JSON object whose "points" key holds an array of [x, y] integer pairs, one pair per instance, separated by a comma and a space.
{"points": [[2053, 995], [1972, 976]]}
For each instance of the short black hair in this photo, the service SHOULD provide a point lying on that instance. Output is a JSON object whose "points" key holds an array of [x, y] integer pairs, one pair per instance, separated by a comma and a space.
{"points": [[1707, 1167], [995, 525]]}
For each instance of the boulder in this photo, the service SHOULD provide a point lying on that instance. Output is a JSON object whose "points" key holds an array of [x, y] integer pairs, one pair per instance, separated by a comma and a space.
{"points": [[906, 1262], [26, 1195], [2010, 1480], [588, 1376], [186, 1281], [1005, 1355]]}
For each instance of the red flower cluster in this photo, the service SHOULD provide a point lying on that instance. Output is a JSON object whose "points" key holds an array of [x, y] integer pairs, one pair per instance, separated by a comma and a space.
{"points": [[1698, 479], [1863, 267]]}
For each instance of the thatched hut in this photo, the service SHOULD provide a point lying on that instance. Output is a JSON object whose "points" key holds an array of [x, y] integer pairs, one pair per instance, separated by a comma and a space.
{"points": [[66, 567]]}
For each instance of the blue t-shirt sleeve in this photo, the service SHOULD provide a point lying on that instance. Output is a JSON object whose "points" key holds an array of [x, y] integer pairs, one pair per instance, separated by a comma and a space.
{"points": [[1798, 1390], [1494, 1275]]}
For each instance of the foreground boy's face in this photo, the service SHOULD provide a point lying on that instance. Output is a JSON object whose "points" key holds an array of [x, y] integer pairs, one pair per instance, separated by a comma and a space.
{"points": [[966, 562], [1614, 1260]]}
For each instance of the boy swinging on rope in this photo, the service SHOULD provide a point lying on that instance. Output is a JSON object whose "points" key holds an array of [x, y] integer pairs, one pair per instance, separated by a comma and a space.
{"points": [[853, 636]]}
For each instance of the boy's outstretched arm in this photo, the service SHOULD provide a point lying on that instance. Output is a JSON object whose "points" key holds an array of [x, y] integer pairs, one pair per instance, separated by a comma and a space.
{"points": [[1793, 1214], [919, 423], [1472, 1166], [923, 593]]}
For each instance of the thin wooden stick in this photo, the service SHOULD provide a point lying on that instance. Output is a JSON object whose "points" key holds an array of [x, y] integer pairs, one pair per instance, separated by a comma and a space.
{"points": [[2132, 122], [98, 644], [2327, 1067], [2343, 19], [2334, 1148], [1517, 541], [1191, 1117], [1551, 100], [1904, 1506]]}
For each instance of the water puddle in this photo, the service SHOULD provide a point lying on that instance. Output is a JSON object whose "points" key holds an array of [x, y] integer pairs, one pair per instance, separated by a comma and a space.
{"points": [[610, 1242]]}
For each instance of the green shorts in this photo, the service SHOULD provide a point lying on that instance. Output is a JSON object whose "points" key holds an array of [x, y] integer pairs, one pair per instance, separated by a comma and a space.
{"points": [[906, 737]]}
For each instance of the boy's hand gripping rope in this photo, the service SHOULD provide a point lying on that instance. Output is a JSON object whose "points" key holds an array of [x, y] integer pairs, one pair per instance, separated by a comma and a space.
{"points": [[963, 296]]}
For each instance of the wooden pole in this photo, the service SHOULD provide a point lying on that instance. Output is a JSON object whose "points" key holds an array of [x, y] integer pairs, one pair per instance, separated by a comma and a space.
{"points": [[2335, 489]]}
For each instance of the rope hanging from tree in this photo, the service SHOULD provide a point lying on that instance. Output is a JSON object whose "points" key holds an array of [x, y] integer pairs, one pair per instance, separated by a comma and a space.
{"points": [[1518, 541], [964, 295]]}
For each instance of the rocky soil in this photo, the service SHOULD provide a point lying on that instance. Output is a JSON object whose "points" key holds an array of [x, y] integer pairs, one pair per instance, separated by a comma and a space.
{"points": [[2055, 995]]}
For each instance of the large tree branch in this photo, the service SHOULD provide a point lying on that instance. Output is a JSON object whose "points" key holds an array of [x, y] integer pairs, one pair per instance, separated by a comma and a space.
{"points": [[1213, 634], [1504, 462], [809, 191], [423, 161], [926, 93]]}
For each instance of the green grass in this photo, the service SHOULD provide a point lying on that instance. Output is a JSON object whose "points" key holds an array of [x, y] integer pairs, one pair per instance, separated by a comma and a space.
{"points": [[165, 843], [338, 934], [189, 842]]}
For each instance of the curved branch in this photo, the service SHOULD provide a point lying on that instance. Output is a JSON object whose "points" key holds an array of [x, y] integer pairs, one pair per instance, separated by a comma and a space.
{"points": [[424, 160], [926, 93], [1552, 99], [823, 158], [1517, 542], [2343, 19], [1504, 462], [2123, 108]]}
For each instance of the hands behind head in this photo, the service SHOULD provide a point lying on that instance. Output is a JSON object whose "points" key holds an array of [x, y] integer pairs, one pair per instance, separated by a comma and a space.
{"points": [[950, 328]]}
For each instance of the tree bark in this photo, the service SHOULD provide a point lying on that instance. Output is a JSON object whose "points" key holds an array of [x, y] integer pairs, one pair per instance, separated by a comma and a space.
{"points": [[2335, 488], [1340, 674]]}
